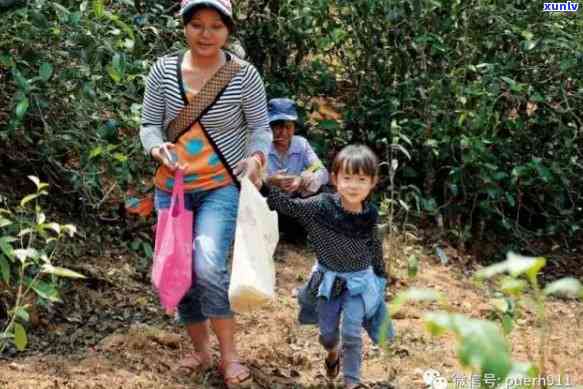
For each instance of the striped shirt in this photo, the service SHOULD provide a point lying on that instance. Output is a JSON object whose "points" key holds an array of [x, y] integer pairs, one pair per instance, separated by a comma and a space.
{"points": [[237, 122]]}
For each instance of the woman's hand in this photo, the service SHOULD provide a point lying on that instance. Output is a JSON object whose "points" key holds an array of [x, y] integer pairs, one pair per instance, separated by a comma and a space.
{"points": [[293, 184], [166, 155], [249, 167]]}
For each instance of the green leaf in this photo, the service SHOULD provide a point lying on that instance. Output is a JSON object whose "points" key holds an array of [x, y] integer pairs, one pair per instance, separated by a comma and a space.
{"points": [[53, 226], [6, 60], [414, 294], [516, 265], [24, 254], [147, 249], [98, 8], [527, 35], [500, 304], [492, 270], [329, 124], [507, 324], [46, 71], [95, 152], [46, 291], [28, 199], [36, 181], [4, 270], [568, 286], [22, 313], [519, 264], [513, 286], [6, 247], [481, 344], [39, 185], [22, 82], [22, 107], [70, 229], [4, 222], [20, 339], [412, 265], [60, 271]]}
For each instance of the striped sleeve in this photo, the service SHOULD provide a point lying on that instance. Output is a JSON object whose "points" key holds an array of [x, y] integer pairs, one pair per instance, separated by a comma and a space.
{"points": [[153, 108], [255, 110]]}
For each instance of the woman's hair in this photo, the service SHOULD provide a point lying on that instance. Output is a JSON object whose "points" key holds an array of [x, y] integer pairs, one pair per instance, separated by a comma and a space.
{"points": [[187, 17], [356, 159]]}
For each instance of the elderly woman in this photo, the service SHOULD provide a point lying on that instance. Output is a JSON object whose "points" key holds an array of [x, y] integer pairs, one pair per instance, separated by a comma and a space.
{"points": [[205, 112]]}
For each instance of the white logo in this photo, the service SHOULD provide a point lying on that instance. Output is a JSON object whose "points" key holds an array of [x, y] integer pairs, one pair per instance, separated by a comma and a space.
{"points": [[433, 379]]}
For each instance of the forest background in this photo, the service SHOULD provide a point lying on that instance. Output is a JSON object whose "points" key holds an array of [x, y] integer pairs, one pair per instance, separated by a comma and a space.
{"points": [[474, 107]]}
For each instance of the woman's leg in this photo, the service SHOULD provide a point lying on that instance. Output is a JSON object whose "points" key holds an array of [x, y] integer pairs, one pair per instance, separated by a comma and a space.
{"points": [[189, 307], [216, 218]]}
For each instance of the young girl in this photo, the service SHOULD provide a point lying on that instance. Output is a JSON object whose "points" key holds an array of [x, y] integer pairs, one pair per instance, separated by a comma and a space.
{"points": [[348, 280]]}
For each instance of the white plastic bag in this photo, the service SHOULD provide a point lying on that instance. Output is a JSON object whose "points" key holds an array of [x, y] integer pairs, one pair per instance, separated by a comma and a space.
{"points": [[256, 236]]}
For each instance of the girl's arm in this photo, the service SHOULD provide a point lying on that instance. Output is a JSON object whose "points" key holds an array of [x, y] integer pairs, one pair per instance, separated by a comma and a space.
{"points": [[302, 209]]}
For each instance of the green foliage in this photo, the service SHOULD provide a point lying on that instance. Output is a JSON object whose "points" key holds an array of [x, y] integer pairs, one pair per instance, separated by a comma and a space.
{"points": [[28, 245], [487, 96], [482, 347], [75, 86], [522, 293], [490, 96]]}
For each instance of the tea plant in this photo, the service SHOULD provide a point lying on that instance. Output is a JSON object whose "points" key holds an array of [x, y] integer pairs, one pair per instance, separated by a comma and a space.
{"points": [[29, 244]]}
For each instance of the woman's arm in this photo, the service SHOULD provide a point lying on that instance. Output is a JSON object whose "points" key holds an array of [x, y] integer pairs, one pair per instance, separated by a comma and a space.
{"points": [[153, 109], [315, 173], [255, 110]]}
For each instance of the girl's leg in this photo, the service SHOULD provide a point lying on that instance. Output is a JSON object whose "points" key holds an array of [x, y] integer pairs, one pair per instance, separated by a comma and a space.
{"points": [[352, 318], [329, 322]]}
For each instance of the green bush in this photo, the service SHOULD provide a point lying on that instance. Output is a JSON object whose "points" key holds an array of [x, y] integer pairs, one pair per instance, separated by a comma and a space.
{"points": [[489, 94], [29, 244]]}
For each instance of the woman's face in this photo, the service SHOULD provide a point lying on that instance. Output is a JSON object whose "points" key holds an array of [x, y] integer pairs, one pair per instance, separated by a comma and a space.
{"points": [[206, 33], [283, 132]]}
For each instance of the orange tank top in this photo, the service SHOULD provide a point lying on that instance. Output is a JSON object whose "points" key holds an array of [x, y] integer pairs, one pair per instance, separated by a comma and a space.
{"points": [[204, 169]]}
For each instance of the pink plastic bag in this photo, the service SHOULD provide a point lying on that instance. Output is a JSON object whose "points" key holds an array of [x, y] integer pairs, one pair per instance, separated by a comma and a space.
{"points": [[172, 268]]}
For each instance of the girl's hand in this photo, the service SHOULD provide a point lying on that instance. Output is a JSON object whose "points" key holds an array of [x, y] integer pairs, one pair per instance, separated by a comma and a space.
{"points": [[166, 155], [250, 167]]}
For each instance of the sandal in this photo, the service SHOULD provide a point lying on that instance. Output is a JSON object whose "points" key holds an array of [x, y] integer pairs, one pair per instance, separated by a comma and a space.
{"points": [[333, 369], [194, 363], [235, 374]]}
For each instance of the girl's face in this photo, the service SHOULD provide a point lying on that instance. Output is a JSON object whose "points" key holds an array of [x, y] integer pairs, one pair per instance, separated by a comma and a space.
{"points": [[354, 188], [206, 33]]}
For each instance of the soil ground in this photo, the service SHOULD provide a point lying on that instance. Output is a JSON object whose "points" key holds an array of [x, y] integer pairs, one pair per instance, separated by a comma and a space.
{"points": [[110, 333]]}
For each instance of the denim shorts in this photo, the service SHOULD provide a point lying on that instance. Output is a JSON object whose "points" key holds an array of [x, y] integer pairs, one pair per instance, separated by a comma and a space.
{"points": [[215, 217]]}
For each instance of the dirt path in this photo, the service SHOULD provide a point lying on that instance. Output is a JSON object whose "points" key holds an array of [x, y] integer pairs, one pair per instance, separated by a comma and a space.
{"points": [[142, 349]]}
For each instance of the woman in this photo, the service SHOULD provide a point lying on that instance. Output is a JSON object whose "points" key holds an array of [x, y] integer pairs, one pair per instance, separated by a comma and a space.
{"points": [[205, 112], [292, 164]]}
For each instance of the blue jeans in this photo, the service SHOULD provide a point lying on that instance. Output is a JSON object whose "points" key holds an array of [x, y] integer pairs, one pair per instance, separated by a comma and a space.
{"points": [[215, 217], [351, 309]]}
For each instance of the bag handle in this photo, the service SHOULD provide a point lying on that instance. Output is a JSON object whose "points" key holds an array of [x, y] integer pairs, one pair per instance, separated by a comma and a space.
{"points": [[177, 194]]}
